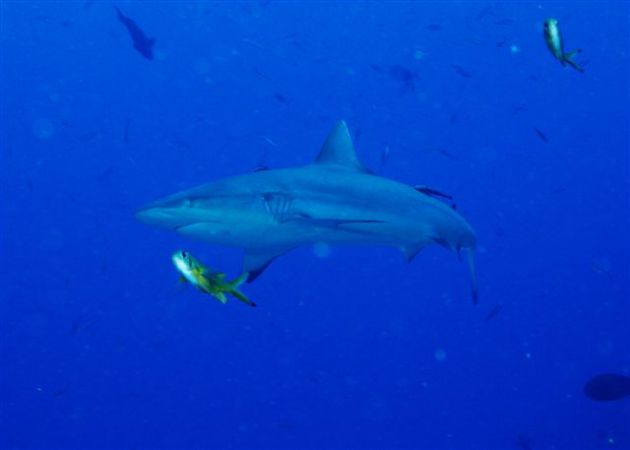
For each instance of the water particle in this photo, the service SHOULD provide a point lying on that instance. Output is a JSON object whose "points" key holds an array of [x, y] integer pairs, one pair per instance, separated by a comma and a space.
{"points": [[440, 355], [43, 128]]}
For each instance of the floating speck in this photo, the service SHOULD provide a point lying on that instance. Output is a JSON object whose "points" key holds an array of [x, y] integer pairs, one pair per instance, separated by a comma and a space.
{"points": [[43, 128], [440, 355]]}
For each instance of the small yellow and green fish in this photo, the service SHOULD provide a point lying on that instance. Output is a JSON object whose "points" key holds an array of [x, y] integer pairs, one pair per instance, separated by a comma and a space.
{"points": [[209, 282], [553, 38]]}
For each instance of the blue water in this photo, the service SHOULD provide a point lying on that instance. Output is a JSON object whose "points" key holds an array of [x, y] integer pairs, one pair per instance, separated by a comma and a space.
{"points": [[102, 348]]}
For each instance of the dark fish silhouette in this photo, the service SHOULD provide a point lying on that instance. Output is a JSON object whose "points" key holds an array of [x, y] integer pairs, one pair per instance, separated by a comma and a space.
{"points": [[483, 12], [141, 41], [541, 135], [523, 442], [433, 27], [461, 71], [494, 312], [281, 98], [607, 387], [432, 192], [399, 73]]}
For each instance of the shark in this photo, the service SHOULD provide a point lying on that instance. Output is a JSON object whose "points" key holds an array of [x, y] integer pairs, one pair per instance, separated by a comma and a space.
{"points": [[335, 200]]}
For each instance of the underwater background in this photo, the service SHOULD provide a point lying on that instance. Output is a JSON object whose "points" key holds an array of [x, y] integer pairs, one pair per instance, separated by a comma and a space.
{"points": [[349, 347]]}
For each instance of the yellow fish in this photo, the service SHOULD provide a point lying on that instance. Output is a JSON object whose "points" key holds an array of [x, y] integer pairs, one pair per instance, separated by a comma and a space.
{"points": [[209, 282], [553, 38]]}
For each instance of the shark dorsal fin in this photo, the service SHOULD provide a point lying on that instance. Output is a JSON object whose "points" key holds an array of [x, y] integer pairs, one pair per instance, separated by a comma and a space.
{"points": [[338, 149]]}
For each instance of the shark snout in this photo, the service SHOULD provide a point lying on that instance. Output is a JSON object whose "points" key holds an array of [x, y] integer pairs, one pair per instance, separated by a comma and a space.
{"points": [[158, 216]]}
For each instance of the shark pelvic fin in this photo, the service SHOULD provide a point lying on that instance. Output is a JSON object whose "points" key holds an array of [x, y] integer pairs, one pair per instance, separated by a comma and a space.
{"points": [[255, 261], [338, 149], [410, 252]]}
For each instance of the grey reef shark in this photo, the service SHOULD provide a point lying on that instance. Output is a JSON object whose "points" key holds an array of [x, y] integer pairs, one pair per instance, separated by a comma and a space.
{"points": [[335, 200]]}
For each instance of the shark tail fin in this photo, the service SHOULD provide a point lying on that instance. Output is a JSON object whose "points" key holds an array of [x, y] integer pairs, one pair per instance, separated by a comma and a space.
{"points": [[470, 256], [236, 293], [568, 58]]}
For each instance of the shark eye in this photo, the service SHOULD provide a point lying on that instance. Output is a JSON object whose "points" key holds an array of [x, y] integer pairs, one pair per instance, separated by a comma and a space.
{"points": [[184, 254]]}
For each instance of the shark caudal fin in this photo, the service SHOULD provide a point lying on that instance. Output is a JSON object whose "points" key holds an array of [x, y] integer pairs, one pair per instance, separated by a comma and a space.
{"points": [[236, 293], [568, 58], [470, 256]]}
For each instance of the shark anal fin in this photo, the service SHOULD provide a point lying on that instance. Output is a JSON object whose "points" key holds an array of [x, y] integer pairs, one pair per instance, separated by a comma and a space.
{"points": [[255, 261]]}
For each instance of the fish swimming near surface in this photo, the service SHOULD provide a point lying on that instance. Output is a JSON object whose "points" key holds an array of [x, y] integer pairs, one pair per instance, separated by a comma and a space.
{"points": [[335, 200], [607, 387], [141, 41], [555, 44], [207, 281]]}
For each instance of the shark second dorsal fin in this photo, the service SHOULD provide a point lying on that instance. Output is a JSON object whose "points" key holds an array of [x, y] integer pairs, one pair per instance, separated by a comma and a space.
{"points": [[338, 149]]}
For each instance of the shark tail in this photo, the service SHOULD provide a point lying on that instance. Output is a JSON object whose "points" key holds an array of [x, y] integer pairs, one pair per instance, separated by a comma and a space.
{"points": [[470, 256], [233, 289], [568, 58]]}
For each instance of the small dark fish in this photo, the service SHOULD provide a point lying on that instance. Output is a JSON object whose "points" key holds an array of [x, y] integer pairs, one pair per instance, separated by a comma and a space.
{"points": [[483, 12], [523, 442], [607, 387], [504, 22], [261, 74], [281, 98], [501, 43], [180, 143], [105, 174], [59, 392], [90, 136], [461, 71], [445, 152], [494, 312], [141, 42], [558, 190], [518, 109], [433, 27], [79, 324], [432, 192], [400, 74], [541, 135]]}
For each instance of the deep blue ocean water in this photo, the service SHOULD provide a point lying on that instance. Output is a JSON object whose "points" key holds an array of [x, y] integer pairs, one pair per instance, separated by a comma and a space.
{"points": [[101, 347]]}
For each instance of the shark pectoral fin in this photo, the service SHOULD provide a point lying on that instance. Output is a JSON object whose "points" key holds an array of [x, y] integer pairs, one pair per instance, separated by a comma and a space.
{"points": [[182, 279], [220, 296], [256, 260]]}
